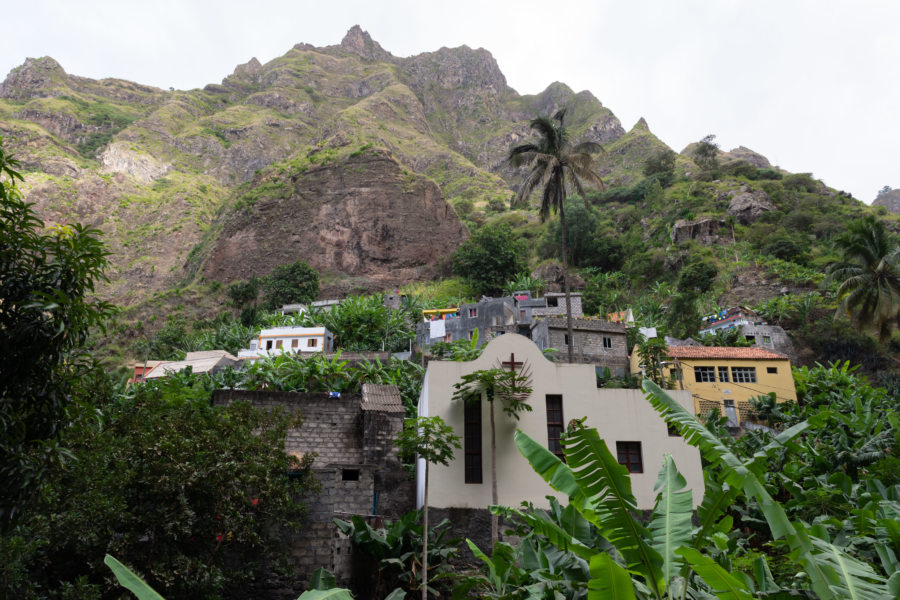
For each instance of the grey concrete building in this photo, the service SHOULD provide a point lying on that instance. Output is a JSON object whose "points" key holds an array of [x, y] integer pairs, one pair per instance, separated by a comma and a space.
{"points": [[596, 342], [355, 462], [496, 316], [771, 337], [490, 316]]}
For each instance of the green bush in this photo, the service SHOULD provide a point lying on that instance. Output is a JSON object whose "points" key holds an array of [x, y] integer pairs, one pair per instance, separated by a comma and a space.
{"points": [[290, 284], [463, 207], [196, 496], [490, 258]]}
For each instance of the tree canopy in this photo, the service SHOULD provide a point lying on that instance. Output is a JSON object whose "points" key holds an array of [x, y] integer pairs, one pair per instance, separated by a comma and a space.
{"points": [[289, 284], [868, 277], [47, 278], [490, 258]]}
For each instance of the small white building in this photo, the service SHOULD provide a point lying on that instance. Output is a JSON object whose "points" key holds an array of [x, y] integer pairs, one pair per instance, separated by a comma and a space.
{"points": [[278, 340], [560, 392]]}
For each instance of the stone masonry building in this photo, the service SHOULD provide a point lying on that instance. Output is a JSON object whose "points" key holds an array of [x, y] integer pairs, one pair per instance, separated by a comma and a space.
{"points": [[355, 461]]}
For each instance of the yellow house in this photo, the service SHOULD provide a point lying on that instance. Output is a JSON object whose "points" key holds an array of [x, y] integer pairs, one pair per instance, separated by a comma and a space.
{"points": [[726, 378]]}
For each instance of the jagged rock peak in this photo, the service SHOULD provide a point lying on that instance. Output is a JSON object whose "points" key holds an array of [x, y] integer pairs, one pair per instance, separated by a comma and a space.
{"points": [[641, 125], [251, 67], [455, 68], [754, 158], [33, 78], [361, 43]]}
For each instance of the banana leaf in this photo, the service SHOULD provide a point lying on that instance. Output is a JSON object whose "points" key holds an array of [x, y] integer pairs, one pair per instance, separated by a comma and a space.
{"points": [[670, 525]]}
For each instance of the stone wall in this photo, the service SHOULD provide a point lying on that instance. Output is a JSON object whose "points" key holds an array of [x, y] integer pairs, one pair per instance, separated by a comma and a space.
{"points": [[560, 309], [356, 464], [491, 315], [778, 339], [588, 342]]}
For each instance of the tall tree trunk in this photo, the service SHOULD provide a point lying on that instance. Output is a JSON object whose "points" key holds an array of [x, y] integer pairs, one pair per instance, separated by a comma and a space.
{"points": [[565, 265], [425, 538], [495, 520]]}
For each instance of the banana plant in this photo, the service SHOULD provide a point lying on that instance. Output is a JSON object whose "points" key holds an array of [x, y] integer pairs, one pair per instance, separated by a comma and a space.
{"points": [[666, 558], [832, 572]]}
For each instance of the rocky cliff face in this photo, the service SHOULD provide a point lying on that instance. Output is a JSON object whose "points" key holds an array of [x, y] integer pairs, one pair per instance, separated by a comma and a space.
{"points": [[151, 167], [889, 200], [362, 217]]}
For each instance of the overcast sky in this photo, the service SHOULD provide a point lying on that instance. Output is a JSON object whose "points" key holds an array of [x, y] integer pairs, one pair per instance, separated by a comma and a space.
{"points": [[814, 85]]}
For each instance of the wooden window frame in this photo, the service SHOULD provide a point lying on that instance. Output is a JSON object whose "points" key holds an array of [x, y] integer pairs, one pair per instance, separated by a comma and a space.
{"points": [[743, 374], [555, 424], [630, 455], [723, 375], [705, 374], [472, 442], [607, 343]]}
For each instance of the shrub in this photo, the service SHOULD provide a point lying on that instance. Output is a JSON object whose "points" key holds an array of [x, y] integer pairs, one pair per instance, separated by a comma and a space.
{"points": [[800, 182], [294, 283], [463, 207], [490, 258]]}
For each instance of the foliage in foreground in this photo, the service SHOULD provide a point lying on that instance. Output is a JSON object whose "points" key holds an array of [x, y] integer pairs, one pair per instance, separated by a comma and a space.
{"points": [[46, 278], [198, 496], [669, 557], [393, 554]]}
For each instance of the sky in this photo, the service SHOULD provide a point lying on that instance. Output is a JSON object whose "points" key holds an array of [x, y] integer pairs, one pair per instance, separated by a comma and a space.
{"points": [[814, 85]]}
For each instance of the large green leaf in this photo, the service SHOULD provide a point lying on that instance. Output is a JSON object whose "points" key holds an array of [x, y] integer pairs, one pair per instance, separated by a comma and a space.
{"points": [[130, 581], [725, 586], [546, 464], [849, 577], [736, 474], [600, 489], [670, 525], [555, 534], [696, 434], [608, 486], [609, 580], [322, 579], [332, 594]]}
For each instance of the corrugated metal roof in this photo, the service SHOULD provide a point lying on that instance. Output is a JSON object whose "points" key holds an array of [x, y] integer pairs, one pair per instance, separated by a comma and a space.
{"points": [[723, 352], [384, 398]]}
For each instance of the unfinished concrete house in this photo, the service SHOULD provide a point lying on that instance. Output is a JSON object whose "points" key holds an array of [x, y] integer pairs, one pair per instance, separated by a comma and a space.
{"points": [[356, 463]]}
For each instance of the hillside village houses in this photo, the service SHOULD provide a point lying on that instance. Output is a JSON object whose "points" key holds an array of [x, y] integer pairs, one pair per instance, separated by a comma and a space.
{"points": [[597, 342], [205, 361], [754, 329], [278, 340], [561, 392], [727, 378]]}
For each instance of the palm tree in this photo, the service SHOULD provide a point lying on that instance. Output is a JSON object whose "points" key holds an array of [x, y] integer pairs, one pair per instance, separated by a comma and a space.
{"points": [[868, 277], [554, 163], [513, 390]]}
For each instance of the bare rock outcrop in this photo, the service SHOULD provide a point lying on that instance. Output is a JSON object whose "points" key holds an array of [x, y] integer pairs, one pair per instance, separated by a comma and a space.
{"points": [[363, 217], [120, 158], [747, 155], [361, 43], [890, 200], [35, 78], [748, 205], [552, 273], [705, 231]]}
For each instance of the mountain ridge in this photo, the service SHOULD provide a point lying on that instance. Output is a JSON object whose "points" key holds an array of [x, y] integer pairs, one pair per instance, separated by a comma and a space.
{"points": [[163, 172]]}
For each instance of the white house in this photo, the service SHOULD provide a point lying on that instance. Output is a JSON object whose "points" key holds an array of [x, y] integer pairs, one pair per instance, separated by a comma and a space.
{"points": [[561, 392], [277, 340]]}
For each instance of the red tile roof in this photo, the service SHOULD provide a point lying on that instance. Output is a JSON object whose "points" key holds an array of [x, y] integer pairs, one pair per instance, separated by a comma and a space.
{"points": [[723, 352]]}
